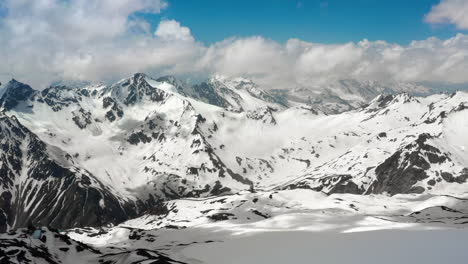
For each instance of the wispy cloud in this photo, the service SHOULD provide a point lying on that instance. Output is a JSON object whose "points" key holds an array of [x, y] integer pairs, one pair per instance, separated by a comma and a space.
{"points": [[449, 12]]}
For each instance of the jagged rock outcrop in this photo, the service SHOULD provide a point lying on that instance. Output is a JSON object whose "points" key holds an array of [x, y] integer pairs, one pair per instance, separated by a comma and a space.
{"points": [[41, 185]]}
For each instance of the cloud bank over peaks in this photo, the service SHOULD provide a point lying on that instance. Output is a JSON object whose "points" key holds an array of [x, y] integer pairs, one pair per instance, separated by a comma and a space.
{"points": [[299, 63], [102, 40]]}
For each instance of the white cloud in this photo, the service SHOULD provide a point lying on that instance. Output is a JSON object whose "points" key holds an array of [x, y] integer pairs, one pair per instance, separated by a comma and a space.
{"points": [[53, 39], [299, 63], [172, 30], [449, 12], [99, 40]]}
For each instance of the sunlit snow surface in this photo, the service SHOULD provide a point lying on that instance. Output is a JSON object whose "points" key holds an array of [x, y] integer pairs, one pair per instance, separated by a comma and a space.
{"points": [[297, 150], [299, 226], [383, 247]]}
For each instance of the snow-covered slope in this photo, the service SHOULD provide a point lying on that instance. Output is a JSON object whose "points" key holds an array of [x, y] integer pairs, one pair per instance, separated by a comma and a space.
{"points": [[51, 246], [400, 144], [345, 95], [234, 94], [141, 141], [145, 170], [186, 225], [41, 183]]}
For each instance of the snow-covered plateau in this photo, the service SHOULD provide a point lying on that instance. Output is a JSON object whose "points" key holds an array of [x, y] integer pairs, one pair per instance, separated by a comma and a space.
{"points": [[161, 171]]}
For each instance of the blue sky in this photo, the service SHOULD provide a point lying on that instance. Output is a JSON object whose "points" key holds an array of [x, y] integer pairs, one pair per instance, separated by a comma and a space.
{"points": [[332, 21]]}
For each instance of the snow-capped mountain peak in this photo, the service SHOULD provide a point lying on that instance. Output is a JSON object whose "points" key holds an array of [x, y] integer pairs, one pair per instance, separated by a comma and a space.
{"points": [[141, 141], [14, 92]]}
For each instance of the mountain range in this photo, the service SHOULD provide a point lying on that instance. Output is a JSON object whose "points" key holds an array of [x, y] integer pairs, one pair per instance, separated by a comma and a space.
{"points": [[98, 155]]}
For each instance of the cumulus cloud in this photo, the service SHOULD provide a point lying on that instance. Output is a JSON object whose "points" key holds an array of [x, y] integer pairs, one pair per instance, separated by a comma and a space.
{"points": [[449, 12], [172, 30], [299, 63], [45, 39], [101, 40]]}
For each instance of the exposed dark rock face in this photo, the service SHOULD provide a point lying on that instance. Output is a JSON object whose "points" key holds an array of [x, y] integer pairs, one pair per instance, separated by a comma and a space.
{"points": [[346, 185], [406, 167], [56, 97], [54, 247], [81, 118], [385, 100], [216, 93], [115, 110], [15, 92], [263, 114], [138, 89], [47, 192], [400, 173], [382, 135], [434, 115], [144, 256], [462, 178], [138, 137], [207, 93], [222, 169], [110, 116], [220, 216], [329, 185]]}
